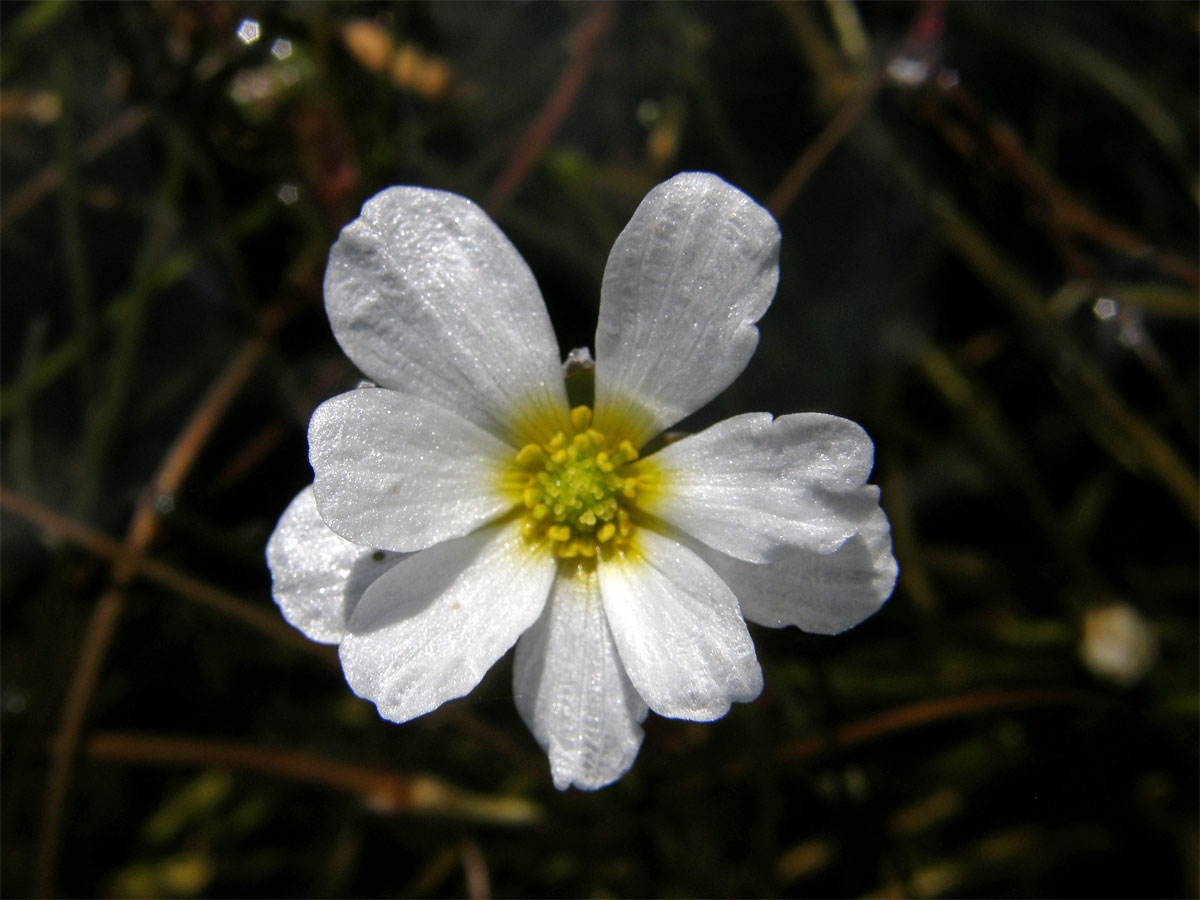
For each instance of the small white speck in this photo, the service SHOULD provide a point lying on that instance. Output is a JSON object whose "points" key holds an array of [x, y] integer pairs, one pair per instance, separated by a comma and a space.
{"points": [[288, 193], [908, 71], [1105, 308], [248, 31], [281, 49]]}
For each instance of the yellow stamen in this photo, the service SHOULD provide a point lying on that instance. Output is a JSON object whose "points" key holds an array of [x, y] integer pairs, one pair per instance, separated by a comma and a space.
{"points": [[576, 490], [581, 417]]}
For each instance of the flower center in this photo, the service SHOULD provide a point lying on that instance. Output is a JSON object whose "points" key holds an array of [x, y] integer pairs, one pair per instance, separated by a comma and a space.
{"points": [[577, 490]]}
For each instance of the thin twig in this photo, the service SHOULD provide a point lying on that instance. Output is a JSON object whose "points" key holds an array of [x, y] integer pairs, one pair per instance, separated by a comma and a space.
{"points": [[102, 421], [929, 712], [1066, 213], [475, 869], [44, 182], [97, 639], [1126, 434], [920, 40], [843, 122], [187, 446], [919, 714], [257, 449], [382, 791], [163, 574], [1072, 215], [821, 54], [141, 533], [533, 143]]}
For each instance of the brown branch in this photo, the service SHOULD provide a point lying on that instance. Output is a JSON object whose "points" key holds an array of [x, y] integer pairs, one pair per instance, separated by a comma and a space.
{"points": [[533, 143], [909, 717], [29, 194], [163, 574], [929, 712], [186, 449], [257, 449], [920, 42], [1124, 433], [475, 869], [143, 529], [807, 163], [1071, 215], [96, 641], [382, 791], [1066, 214]]}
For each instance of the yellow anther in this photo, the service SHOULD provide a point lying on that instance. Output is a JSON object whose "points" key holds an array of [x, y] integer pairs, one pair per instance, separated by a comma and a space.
{"points": [[530, 453], [576, 491], [581, 417]]}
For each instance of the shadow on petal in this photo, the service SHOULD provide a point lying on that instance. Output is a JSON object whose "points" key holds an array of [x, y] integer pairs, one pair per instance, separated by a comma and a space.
{"points": [[367, 569], [410, 585]]}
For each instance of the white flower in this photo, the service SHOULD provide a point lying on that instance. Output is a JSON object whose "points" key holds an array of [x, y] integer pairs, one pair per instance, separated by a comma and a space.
{"points": [[507, 517]]}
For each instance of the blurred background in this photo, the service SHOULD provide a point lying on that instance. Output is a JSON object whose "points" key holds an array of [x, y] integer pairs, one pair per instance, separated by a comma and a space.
{"points": [[989, 217]]}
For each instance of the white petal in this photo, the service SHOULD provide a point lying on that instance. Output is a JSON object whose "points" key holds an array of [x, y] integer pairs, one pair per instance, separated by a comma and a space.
{"points": [[572, 690], [427, 296], [398, 472], [428, 630], [750, 484], [317, 577], [689, 276], [679, 630], [821, 593]]}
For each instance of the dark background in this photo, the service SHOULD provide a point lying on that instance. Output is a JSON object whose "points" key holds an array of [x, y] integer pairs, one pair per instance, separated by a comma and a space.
{"points": [[989, 217]]}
